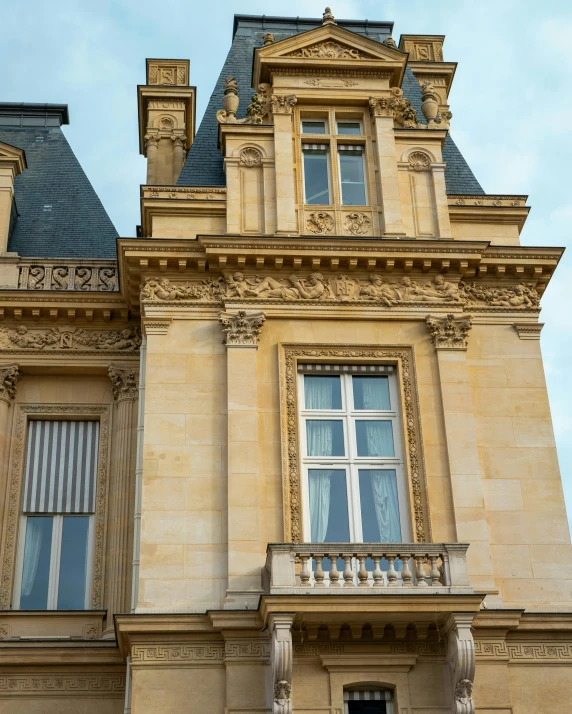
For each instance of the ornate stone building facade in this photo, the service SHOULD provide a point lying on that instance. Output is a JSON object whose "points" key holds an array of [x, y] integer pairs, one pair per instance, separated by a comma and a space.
{"points": [[289, 449]]}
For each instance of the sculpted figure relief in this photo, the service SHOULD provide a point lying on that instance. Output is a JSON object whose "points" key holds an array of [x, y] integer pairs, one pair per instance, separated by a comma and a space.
{"points": [[70, 338]]}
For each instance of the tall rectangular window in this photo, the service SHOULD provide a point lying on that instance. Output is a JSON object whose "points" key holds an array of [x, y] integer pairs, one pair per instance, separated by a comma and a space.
{"points": [[56, 529], [352, 176], [354, 487], [316, 175]]}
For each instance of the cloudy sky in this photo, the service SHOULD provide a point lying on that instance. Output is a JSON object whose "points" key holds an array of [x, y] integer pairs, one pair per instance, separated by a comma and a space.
{"points": [[511, 100]]}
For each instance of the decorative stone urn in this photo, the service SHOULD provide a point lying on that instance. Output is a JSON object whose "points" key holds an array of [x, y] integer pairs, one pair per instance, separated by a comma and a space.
{"points": [[430, 105], [230, 100]]}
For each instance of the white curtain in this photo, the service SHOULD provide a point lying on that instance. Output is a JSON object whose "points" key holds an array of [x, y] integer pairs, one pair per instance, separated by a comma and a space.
{"points": [[320, 487], [375, 393], [379, 438], [319, 392], [384, 487], [320, 437], [32, 549]]}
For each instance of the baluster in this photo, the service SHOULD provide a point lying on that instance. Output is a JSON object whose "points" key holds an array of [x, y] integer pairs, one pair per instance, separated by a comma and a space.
{"points": [[362, 573], [406, 575], [446, 569], [319, 573], [420, 572], [391, 572], [434, 574], [305, 572], [348, 572], [377, 574], [334, 572]]}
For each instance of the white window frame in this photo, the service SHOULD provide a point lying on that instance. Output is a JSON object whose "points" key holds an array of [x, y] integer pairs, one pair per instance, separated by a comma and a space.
{"points": [[349, 121], [362, 154], [328, 171], [352, 463], [55, 556]]}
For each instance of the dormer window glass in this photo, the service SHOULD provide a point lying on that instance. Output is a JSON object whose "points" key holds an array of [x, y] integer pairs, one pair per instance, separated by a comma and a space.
{"points": [[352, 175], [316, 175], [314, 127], [349, 127]]}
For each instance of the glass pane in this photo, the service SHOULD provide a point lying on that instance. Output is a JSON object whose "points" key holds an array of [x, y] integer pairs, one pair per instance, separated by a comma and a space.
{"points": [[316, 177], [349, 127], [374, 438], [36, 570], [325, 437], [352, 178], [371, 393], [322, 392], [313, 127], [73, 563], [379, 506], [329, 520]]}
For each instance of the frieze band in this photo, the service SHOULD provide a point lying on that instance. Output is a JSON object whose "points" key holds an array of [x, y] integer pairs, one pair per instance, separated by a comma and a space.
{"points": [[128, 339]]}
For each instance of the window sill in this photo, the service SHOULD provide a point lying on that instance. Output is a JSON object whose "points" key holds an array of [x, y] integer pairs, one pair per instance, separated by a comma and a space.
{"points": [[51, 624]]}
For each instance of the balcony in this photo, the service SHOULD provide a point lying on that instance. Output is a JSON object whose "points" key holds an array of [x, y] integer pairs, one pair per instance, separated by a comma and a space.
{"points": [[368, 569]]}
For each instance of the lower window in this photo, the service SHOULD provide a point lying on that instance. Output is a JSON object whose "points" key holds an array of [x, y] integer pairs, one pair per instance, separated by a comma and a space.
{"points": [[363, 701], [54, 563]]}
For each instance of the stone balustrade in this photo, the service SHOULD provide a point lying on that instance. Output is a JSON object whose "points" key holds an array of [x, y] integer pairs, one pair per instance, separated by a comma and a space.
{"points": [[361, 568], [91, 276]]}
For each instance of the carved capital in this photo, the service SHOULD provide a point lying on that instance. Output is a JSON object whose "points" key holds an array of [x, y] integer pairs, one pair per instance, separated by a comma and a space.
{"points": [[151, 140], [9, 375], [124, 383], [396, 106], [283, 103], [179, 141], [449, 332], [241, 328], [281, 661], [461, 659]]}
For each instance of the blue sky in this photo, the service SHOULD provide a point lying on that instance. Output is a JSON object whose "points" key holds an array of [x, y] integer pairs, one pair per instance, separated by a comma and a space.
{"points": [[511, 101]]}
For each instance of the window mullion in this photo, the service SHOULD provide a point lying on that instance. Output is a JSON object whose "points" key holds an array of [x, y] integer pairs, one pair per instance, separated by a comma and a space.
{"points": [[55, 555], [336, 185]]}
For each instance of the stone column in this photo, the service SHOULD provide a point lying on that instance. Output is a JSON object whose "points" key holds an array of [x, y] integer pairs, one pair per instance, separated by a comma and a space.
{"points": [[9, 375], [281, 656], [178, 156], [387, 164], [121, 494], [241, 331], [151, 148], [282, 108], [450, 338], [461, 660]]}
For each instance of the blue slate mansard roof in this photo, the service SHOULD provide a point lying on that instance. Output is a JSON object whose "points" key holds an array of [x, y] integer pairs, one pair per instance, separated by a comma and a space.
{"points": [[203, 166], [59, 214]]}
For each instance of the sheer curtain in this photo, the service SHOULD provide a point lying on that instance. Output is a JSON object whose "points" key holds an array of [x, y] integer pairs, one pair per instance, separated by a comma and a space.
{"points": [[320, 487], [322, 392], [320, 437], [378, 438], [31, 555], [384, 487]]}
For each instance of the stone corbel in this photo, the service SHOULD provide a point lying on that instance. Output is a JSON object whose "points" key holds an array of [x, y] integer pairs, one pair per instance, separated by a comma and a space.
{"points": [[9, 376], [124, 383], [241, 329], [461, 660], [450, 332], [281, 662]]}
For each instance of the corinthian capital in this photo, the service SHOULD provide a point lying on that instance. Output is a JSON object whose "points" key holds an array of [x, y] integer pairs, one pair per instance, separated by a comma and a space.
{"points": [[283, 103], [123, 382], [449, 332], [9, 375], [241, 328]]}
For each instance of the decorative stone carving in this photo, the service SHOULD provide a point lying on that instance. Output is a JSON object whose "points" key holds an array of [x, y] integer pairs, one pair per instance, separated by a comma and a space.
{"points": [[124, 383], [61, 684], [358, 224], [450, 332], [283, 103], [521, 296], [330, 50], [430, 104], [268, 38], [230, 101], [281, 661], [67, 277], [250, 157], [396, 106], [256, 111], [328, 18], [70, 338], [320, 223], [419, 161], [9, 375], [390, 42], [461, 659], [241, 328], [529, 331], [151, 140], [165, 654]]}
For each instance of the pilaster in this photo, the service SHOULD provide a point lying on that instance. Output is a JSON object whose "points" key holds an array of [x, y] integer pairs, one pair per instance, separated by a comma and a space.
{"points": [[9, 376], [450, 334], [241, 332], [461, 660], [282, 106], [281, 656]]}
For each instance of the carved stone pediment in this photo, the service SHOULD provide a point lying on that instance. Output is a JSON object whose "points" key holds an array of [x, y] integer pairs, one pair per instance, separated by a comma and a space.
{"points": [[326, 46]]}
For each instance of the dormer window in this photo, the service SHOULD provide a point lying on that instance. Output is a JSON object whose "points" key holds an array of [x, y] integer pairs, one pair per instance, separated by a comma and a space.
{"points": [[349, 127], [314, 127]]}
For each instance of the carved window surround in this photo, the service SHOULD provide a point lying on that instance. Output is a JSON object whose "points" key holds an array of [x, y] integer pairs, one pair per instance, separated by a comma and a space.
{"points": [[402, 357], [12, 508]]}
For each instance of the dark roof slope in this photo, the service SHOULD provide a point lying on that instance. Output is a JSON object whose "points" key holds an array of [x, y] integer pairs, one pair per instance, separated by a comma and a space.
{"points": [[59, 214], [204, 166]]}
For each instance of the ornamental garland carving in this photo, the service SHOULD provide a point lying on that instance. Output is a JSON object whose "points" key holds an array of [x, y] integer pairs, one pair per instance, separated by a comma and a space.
{"points": [[320, 223], [315, 287], [357, 224], [70, 338], [330, 50]]}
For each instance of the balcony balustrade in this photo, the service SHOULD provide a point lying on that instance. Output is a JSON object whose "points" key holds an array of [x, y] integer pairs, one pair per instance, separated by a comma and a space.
{"points": [[366, 568]]}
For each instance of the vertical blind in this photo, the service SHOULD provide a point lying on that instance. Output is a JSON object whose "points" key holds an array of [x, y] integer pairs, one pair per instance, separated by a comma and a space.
{"points": [[61, 466]]}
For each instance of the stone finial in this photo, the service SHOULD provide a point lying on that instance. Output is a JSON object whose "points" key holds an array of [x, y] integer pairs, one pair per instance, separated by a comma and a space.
{"points": [[449, 332], [328, 18], [123, 382], [430, 104], [390, 42], [9, 375], [268, 38], [241, 328]]}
